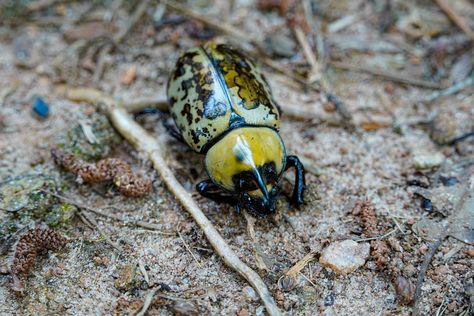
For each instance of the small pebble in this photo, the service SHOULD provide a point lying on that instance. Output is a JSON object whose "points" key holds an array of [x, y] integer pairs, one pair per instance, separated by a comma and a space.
{"points": [[243, 312], [129, 75], [428, 160], [442, 127], [405, 290], [185, 308], [409, 270], [329, 300], [423, 249], [40, 107], [427, 205], [345, 256]]}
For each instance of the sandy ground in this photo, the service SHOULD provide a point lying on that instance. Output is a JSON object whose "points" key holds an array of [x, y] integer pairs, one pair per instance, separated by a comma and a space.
{"points": [[85, 278]]}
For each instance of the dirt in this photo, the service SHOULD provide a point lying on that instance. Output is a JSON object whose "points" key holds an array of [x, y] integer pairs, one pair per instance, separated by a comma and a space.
{"points": [[374, 161]]}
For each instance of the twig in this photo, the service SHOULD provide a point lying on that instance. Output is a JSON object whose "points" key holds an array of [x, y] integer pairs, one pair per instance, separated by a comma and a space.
{"points": [[308, 279], [319, 41], [315, 72], [148, 299], [451, 90], [158, 102], [144, 142], [141, 266], [134, 18], [251, 231], [112, 216], [95, 225], [119, 37], [188, 249], [457, 19], [289, 278], [387, 75], [421, 275], [377, 237]]}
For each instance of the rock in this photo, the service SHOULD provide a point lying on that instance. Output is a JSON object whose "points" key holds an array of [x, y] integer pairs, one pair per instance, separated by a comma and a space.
{"points": [[428, 160], [129, 75], [345, 256]]}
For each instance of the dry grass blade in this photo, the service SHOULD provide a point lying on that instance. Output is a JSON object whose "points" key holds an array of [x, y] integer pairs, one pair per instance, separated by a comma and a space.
{"points": [[387, 75], [288, 280], [144, 142], [457, 19], [421, 275], [112, 216], [251, 231], [188, 249], [315, 73]]}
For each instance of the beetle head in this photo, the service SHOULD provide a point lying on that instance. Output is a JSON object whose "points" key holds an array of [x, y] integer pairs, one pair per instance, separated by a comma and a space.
{"points": [[248, 162]]}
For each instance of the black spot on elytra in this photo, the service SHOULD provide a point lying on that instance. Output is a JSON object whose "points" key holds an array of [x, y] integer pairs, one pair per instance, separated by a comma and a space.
{"points": [[186, 112]]}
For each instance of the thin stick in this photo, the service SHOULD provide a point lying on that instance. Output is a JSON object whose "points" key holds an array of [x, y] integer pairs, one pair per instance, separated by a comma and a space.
{"points": [[112, 216], [92, 221], [450, 90], [158, 102], [290, 276], [134, 18], [141, 266], [377, 237], [457, 19], [421, 275], [148, 299], [188, 249], [315, 73], [144, 142], [387, 75], [119, 37], [251, 231]]}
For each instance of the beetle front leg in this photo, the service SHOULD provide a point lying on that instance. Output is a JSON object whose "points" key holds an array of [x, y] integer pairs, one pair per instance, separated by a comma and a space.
{"points": [[300, 184], [210, 190]]}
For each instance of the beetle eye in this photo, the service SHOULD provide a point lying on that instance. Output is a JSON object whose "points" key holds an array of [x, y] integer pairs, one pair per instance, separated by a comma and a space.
{"points": [[246, 182], [269, 173]]}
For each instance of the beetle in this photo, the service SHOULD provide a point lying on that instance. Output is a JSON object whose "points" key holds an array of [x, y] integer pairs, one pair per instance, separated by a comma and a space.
{"points": [[223, 108]]}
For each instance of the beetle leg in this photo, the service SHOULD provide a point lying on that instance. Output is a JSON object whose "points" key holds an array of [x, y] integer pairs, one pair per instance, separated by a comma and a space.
{"points": [[173, 131], [210, 190], [300, 185]]}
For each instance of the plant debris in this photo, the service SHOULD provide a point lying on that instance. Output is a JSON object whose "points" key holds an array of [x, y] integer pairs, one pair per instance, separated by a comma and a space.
{"points": [[108, 169], [32, 244]]}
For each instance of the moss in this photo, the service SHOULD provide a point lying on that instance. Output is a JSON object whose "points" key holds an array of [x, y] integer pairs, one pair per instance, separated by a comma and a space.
{"points": [[75, 141], [60, 215], [27, 193]]}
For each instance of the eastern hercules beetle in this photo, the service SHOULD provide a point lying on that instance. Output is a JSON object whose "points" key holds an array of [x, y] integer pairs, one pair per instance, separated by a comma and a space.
{"points": [[223, 108]]}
